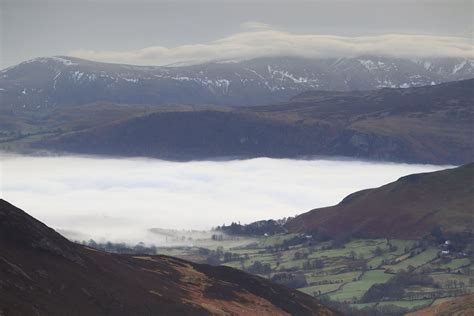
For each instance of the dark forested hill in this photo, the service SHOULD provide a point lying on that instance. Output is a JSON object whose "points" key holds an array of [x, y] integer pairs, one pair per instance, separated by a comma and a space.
{"points": [[431, 124], [42, 273], [410, 207]]}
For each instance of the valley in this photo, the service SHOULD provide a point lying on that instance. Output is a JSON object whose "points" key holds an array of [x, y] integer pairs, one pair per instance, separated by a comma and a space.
{"points": [[236, 158], [342, 255], [344, 274], [387, 272]]}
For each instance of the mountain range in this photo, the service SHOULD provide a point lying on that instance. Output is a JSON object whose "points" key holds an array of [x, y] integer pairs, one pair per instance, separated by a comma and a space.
{"points": [[409, 208], [42, 273], [182, 113], [49, 82]]}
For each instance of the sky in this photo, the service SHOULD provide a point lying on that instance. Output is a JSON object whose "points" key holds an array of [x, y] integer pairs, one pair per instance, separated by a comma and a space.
{"points": [[120, 199], [166, 31]]}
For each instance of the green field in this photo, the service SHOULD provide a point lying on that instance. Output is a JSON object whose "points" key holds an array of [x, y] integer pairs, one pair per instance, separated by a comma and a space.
{"points": [[407, 304], [361, 249], [340, 278], [274, 240], [320, 289], [445, 278], [415, 261], [355, 290], [363, 305], [455, 264]]}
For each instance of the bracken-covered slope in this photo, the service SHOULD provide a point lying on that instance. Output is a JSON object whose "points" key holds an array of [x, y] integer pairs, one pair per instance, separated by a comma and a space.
{"points": [[461, 306], [431, 124], [410, 207], [42, 273]]}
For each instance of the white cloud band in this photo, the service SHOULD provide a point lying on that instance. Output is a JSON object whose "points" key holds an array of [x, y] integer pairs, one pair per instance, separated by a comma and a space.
{"points": [[101, 201], [261, 40]]}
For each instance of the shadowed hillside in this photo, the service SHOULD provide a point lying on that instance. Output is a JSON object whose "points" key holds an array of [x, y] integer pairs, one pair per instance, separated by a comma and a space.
{"points": [[410, 207], [430, 124], [42, 273]]}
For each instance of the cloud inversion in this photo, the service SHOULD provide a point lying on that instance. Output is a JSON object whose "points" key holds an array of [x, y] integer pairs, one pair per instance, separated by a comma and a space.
{"points": [[119, 199]]}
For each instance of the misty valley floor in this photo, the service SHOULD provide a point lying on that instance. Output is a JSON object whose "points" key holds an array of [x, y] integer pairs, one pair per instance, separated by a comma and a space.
{"points": [[120, 199]]}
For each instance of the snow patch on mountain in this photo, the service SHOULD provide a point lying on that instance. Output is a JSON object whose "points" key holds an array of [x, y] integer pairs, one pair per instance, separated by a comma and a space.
{"points": [[368, 64], [459, 66], [77, 75], [258, 81], [64, 61]]}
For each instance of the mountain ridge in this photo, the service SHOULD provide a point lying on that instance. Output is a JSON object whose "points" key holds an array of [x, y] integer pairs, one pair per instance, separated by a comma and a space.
{"points": [[48, 82]]}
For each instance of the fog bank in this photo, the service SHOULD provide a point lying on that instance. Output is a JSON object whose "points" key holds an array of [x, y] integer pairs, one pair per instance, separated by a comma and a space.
{"points": [[120, 199]]}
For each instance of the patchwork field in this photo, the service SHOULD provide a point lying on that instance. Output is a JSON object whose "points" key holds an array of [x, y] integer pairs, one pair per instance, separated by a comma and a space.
{"points": [[347, 273]]}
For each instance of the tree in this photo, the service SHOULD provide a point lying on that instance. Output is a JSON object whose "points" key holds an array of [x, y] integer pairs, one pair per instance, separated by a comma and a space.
{"points": [[227, 256], [378, 251], [437, 234], [258, 268], [318, 264], [217, 237]]}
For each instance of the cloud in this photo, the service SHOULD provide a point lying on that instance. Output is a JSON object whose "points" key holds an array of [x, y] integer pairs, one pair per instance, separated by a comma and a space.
{"points": [[261, 39], [120, 199], [254, 25]]}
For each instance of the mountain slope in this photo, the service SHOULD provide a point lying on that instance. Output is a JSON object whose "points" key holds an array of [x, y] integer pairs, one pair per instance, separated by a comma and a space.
{"points": [[407, 208], [41, 273], [44, 83], [461, 306], [432, 124]]}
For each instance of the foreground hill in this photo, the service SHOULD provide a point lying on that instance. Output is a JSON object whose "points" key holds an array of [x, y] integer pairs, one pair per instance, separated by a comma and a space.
{"points": [[431, 124], [462, 306], [42, 273], [44, 83], [410, 207]]}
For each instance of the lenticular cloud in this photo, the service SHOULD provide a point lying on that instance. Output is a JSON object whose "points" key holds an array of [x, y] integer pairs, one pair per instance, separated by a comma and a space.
{"points": [[261, 40]]}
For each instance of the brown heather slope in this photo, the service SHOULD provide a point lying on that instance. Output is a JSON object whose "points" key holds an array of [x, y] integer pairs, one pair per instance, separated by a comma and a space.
{"points": [[461, 306], [407, 208], [42, 273]]}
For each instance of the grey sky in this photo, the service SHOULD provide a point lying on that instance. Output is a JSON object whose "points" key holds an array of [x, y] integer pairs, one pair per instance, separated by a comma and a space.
{"points": [[32, 28]]}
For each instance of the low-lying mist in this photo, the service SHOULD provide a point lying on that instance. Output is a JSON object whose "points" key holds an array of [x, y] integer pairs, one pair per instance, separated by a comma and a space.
{"points": [[121, 199]]}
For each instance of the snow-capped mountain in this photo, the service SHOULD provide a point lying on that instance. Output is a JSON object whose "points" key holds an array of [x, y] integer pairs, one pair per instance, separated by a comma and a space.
{"points": [[61, 81]]}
